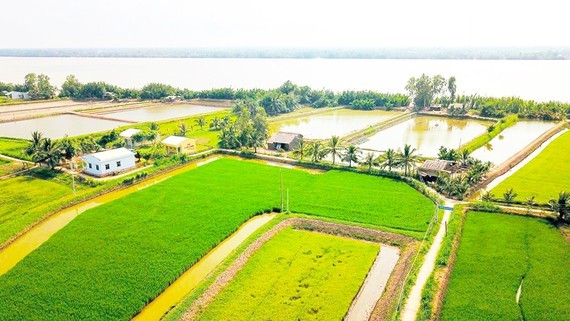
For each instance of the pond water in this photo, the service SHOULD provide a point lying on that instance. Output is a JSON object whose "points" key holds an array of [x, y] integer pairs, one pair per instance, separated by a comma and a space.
{"points": [[511, 141], [57, 126], [427, 134], [162, 112], [338, 122]]}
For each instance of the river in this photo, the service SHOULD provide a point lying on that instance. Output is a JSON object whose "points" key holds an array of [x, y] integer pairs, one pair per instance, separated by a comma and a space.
{"points": [[530, 79]]}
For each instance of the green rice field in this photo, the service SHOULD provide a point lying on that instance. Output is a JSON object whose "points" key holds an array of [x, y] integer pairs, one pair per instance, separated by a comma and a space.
{"points": [[495, 253], [297, 275], [112, 260], [14, 147], [543, 177]]}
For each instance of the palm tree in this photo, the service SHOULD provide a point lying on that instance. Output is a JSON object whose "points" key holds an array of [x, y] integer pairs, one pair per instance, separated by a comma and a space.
{"points": [[509, 195], [301, 149], [369, 160], [183, 129], [37, 138], [407, 159], [154, 127], [351, 154], [487, 196], [317, 151], [561, 205], [388, 159], [256, 140], [215, 124], [464, 158], [201, 121], [334, 147], [50, 153]]}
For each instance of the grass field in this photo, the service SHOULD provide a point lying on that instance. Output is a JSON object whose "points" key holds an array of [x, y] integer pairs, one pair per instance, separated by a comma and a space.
{"points": [[19, 199], [14, 147], [543, 177], [496, 251], [297, 275], [110, 261]]}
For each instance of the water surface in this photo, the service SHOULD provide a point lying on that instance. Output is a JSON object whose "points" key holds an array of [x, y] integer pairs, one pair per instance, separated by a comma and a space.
{"points": [[511, 140], [338, 122], [57, 126], [427, 134], [162, 112]]}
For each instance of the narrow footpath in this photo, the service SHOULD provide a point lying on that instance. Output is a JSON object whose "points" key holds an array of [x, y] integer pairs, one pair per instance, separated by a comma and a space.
{"points": [[412, 306]]}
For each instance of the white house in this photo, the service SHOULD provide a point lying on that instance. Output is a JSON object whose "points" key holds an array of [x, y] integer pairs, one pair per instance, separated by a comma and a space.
{"points": [[108, 162], [17, 95], [127, 135]]}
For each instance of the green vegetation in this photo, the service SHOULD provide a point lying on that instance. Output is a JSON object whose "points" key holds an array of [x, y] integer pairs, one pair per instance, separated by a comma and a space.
{"points": [[498, 251], [21, 198], [14, 147], [544, 176], [280, 281], [132, 248], [425, 89], [491, 133]]}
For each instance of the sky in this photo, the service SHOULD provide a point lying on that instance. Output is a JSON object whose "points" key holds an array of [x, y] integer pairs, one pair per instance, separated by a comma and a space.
{"points": [[283, 23]]}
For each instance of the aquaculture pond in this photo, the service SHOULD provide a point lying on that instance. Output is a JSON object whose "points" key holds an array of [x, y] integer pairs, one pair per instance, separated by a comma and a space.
{"points": [[511, 141], [162, 112], [427, 134], [338, 122], [57, 126]]}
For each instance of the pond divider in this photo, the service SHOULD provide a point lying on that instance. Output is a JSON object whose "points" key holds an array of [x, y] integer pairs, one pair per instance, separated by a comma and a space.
{"points": [[362, 134]]}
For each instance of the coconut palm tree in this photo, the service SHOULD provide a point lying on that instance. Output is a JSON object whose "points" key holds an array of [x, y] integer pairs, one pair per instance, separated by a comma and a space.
{"points": [[369, 160], [49, 152], [256, 139], [334, 147], [406, 159], [301, 149], [509, 195], [464, 158], [317, 151], [388, 159], [215, 124], [154, 127], [487, 196], [561, 206], [201, 121], [37, 138], [351, 154], [182, 129]]}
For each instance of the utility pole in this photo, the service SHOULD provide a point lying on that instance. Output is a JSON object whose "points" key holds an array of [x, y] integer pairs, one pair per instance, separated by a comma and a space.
{"points": [[72, 176], [288, 201], [281, 174]]}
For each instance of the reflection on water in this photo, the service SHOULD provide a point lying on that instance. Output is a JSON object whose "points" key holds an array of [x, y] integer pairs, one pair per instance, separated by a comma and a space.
{"points": [[427, 134], [57, 126], [190, 279], [511, 141], [162, 112], [339, 122]]}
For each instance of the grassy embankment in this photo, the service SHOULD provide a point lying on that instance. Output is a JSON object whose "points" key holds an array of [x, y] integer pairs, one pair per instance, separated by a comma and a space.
{"points": [[543, 177], [495, 253], [485, 138], [280, 281], [110, 261]]}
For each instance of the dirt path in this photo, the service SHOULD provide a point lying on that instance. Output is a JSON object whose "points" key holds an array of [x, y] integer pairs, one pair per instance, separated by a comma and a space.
{"points": [[15, 159], [412, 306], [374, 285]]}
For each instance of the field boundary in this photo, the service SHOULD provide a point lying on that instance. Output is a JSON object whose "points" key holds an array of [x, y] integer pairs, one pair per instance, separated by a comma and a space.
{"points": [[369, 131], [349, 231]]}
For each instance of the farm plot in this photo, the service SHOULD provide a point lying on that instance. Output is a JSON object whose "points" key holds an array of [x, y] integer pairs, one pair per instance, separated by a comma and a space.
{"points": [[498, 251], [543, 177], [111, 261], [297, 275], [14, 147]]}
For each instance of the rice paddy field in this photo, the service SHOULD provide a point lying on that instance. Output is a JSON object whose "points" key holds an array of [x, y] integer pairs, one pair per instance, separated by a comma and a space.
{"points": [[14, 147], [496, 252], [543, 177], [297, 275], [109, 262], [22, 199]]}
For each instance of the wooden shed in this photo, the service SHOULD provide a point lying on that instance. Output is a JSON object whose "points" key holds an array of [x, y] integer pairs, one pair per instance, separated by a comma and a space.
{"points": [[285, 141]]}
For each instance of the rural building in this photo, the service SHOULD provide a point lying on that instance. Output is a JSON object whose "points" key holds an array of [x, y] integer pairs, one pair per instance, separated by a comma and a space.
{"points": [[108, 162], [17, 95], [284, 141], [431, 169], [179, 145], [130, 141]]}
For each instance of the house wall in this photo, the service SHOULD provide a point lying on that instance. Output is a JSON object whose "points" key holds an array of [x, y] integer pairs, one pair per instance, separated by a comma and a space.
{"points": [[127, 162], [186, 147], [18, 95]]}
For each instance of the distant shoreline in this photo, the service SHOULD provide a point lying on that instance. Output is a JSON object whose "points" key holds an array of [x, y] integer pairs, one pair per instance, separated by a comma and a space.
{"points": [[538, 53]]}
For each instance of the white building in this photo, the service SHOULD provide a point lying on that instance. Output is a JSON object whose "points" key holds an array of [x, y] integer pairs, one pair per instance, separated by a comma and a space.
{"points": [[108, 162], [127, 135], [17, 95]]}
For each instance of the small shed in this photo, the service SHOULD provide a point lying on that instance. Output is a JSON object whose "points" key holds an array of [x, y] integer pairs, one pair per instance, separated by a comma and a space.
{"points": [[108, 162], [128, 134], [179, 145], [431, 169], [17, 95], [284, 140]]}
